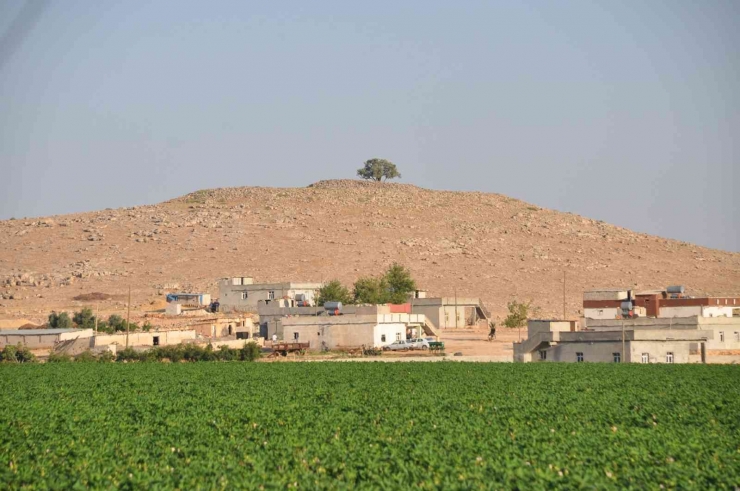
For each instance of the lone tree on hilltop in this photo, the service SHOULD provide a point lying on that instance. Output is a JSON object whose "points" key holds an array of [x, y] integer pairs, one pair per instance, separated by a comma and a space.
{"points": [[378, 170]]}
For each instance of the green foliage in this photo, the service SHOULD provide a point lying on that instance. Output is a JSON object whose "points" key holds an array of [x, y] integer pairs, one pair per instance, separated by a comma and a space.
{"points": [[371, 290], [86, 356], [58, 358], [378, 169], [355, 426], [518, 313], [60, 321], [393, 287], [84, 319], [147, 326], [16, 354], [192, 352], [399, 283], [334, 291], [117, 323], [250, 352]]}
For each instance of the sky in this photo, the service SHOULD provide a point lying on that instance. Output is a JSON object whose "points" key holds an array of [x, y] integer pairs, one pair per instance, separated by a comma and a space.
{"points": [[627, 112]]}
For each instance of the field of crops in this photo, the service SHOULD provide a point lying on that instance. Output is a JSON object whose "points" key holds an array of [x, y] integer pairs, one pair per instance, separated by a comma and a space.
{"points": [[346, 425]]}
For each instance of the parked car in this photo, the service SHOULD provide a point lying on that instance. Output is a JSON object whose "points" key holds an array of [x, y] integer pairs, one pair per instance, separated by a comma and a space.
{"points": [[400, 345], [419, 343]]}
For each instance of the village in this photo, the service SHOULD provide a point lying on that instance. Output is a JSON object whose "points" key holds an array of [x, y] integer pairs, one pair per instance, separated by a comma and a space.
{"points": [[288, 323]]}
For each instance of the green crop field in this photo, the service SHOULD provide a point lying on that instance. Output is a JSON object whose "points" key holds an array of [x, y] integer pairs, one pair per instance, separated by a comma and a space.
{"points": [[389, 425]]}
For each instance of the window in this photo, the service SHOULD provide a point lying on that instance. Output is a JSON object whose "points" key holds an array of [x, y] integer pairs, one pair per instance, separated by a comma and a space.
{"points": [[579, 357], [737, 336], [295, 336], [721, 336], [155, 340], [645, 358], [382, 338], [244, 295], [669, 357], [617, 357], [543, 355], [271, 295], [398, 336]]}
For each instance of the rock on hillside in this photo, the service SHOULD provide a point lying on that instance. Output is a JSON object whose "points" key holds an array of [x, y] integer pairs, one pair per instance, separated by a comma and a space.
{"points": [[480, 244]]}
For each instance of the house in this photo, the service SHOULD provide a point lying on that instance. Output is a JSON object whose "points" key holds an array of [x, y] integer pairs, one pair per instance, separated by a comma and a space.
{"points": [[618, 303], [189, 299], [324, 332], [625, 341], [448, 312], [146, 338], [241, 294], [222, 327], [41, 338]]}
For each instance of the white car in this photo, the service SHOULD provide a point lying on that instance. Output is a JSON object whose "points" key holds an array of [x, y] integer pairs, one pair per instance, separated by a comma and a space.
{"points": [[407, 344], [400, 345], [419, 343]]}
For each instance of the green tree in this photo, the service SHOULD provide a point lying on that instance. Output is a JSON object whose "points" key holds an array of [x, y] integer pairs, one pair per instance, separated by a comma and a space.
{"points": [[399, 283], [84, 319], [60, 321], [378, 169], [518, 313], [334, 291], [371, 290]]}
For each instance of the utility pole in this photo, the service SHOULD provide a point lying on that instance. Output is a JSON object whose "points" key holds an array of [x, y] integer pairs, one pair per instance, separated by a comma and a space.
{"points": [[563, 294], [623, 353], [128, 316], [97, 309]]}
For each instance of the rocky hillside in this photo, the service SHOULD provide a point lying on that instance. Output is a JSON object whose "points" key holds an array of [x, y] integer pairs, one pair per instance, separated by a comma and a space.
{"points": [[479, 244]]}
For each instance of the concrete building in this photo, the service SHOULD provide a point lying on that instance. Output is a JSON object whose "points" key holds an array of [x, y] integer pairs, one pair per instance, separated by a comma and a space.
{"points": [[242, 294], [222, 327], [146, 339], [189, 299], [41, 338], [625, 341], [671, 302], [451, 312], [352, 330]]}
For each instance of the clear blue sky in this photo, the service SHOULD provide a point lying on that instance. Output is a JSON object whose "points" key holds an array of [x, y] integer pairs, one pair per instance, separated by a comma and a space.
{"points": [[628, 112]]}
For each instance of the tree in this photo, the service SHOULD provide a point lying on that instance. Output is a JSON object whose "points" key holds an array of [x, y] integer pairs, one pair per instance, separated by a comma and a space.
{"points": [[60, 321], [378, 169], [334, 291], [371, 290], [518, 313], [399, 284], [84, 319]]}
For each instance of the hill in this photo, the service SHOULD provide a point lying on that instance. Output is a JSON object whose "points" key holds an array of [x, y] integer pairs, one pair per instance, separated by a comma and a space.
{"points": [[479, 244]]}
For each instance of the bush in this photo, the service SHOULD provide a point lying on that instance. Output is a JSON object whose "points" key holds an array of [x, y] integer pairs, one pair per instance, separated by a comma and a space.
{"points": [[84, 319], [86, 356], [60, 321], [250, 352], [225, 353], [334, 291], [58, 358], [106, 357], [17, 354], [128, 354]]}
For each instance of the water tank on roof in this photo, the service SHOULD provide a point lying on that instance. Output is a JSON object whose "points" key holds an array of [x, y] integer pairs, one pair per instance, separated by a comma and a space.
{"points": [[626, 305], [333, 306], [675, 289]]}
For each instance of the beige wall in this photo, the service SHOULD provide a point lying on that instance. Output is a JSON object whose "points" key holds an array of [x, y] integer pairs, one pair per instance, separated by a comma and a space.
{"points": [[146, 338], [39, 341]]}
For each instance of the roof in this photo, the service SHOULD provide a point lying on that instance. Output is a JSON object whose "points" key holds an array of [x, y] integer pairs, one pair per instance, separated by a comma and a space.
{"points": [[36, 332]]}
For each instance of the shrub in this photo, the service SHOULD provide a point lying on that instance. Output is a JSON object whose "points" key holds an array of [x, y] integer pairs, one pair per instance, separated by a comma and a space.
{"points": [[17, 354], [58, 358], [86, 356], [60, 321], [128, 354], [84, 319], [250, 352]]}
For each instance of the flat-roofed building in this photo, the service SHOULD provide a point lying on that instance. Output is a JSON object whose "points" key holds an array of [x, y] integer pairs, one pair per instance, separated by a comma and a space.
{"points": [[241, 294]]}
